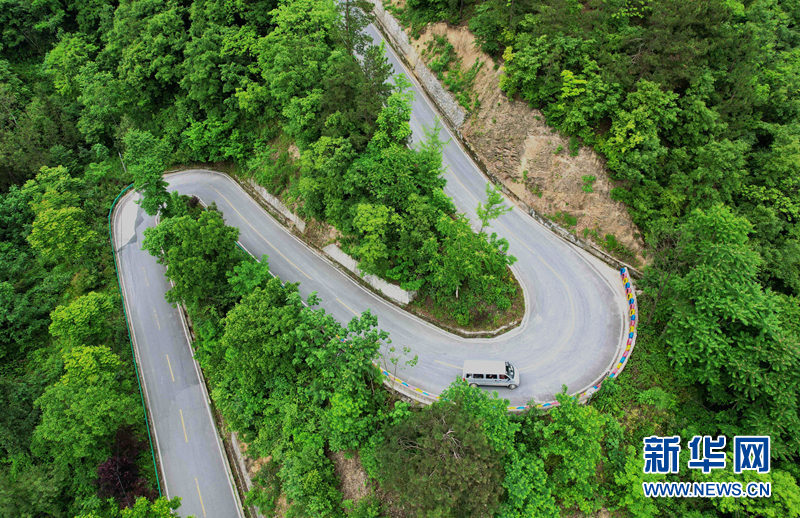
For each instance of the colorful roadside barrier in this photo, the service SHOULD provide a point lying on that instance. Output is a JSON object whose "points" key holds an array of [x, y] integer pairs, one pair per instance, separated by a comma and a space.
{"points": [[630, 341]]}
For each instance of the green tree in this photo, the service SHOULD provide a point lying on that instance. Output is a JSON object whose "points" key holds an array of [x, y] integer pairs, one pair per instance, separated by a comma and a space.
{"points": [[259, 347], [729, 334], [392, 126], [84, 321], [65, 60], [248, 275], [527, 489], [62, 236], [525, 481], [143, 508], [439, 462], [31, 489], [101, 98], [568, 440], [199, 254], [145, 157], [82, 412], [53, 188], [493, 208], [146, 43], [293, 61]]}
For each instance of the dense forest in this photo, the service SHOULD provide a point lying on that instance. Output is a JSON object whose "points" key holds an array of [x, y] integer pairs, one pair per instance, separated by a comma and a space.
{"points": [[694, 104]]}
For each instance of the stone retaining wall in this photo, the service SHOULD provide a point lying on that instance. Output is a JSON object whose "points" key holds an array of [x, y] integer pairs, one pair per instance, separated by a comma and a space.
{"points": [[277, 204], [445, 101], [392, 291]]}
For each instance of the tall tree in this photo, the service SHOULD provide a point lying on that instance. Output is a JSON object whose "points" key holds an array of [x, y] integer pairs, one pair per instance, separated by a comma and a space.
{"points": [[493, 208], [729, 334], [62, 236], [568, 440], [82, 412], [145, 157], [438, 462], [84, 321], [199, 254]]}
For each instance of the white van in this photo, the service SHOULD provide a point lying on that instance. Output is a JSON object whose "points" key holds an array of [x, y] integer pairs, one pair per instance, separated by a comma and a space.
{"points": [[495, 373]]}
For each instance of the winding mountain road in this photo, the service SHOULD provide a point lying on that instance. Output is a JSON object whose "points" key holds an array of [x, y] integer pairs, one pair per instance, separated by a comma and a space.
{"points": [[570, 334]]}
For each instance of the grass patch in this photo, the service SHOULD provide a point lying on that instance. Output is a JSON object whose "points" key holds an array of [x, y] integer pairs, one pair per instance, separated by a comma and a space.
{"points": [[588, 183], [614, 247], [574, 146], [441, 57], [564, 219]]}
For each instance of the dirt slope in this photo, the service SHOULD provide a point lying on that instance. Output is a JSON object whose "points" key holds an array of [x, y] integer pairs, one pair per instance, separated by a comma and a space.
{"points": [[532, 159]]}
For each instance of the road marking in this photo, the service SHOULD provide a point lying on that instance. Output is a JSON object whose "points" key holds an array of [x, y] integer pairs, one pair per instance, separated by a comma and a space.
{"points": [[565, 336], [155, 315], [170, 369], [202, 506], [132, 331], [183, 425], [261, 235], [146, 280], [440, 362], [346, 306]]}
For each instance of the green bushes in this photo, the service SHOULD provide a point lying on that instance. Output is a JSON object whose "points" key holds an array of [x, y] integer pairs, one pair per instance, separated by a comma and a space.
{"points": [[399, 223], [69, 394], [438, 462]]}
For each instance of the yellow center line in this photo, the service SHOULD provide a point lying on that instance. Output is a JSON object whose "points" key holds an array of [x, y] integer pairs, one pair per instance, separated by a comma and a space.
{"points": [[170, 369], [155, 315], [447, 364], [261, 236], [183, 425], [346, 306], [202, 506]]}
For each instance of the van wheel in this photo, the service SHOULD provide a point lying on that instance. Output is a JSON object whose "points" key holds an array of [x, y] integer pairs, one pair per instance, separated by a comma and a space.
{"points": [[473, 384], [512, 386]]}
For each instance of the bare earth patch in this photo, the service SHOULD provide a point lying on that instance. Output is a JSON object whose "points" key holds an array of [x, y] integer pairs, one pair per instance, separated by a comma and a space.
{"points": [[353, 480], [320, 233], [529, 157]]}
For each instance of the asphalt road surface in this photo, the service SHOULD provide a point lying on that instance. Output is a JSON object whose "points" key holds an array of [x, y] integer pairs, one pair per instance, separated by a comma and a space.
{"points": [[573, 325], [192, 462]]}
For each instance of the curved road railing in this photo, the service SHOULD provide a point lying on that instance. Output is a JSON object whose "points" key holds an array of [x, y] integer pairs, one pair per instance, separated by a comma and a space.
{"points": [[425, 397]]}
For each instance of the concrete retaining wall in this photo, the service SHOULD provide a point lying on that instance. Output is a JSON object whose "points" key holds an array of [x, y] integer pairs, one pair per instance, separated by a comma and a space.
{"points": [[396, 293], [277, 205], [444, 100]]}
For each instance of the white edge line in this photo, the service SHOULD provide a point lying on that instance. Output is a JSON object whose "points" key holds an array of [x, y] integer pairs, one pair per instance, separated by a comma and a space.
{"points": [[133, 339]]}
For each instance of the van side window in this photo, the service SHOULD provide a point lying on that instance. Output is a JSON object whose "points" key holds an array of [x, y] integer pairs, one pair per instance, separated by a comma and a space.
{"points": [[477, 376], [503, 377], [491, 376]]}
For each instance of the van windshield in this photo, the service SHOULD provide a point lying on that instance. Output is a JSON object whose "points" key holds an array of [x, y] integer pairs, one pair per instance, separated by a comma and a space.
{"points": [[510, 370]]}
